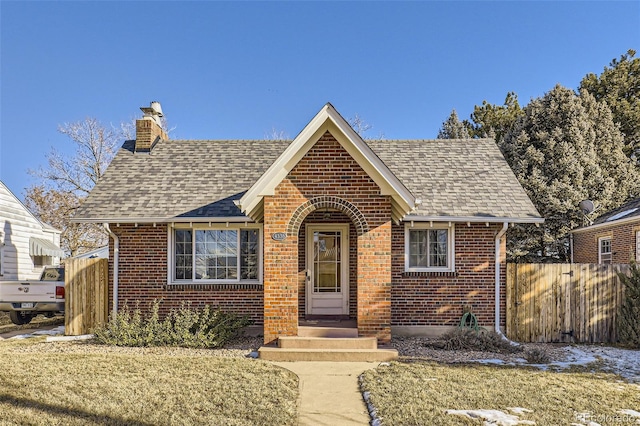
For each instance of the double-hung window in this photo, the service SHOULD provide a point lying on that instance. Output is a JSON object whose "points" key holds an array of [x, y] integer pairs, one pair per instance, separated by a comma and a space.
{"points": [[604, 250], [429, 247], [216, 254]]}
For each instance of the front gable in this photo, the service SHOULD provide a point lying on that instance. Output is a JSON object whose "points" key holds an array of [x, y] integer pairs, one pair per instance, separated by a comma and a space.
{"points": [[328, 120]]}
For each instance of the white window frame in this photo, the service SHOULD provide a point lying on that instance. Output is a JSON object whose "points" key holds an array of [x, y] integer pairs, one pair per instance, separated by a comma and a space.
{"points": [[450, 246], [637, 247], [600, 252], [171, 270]]}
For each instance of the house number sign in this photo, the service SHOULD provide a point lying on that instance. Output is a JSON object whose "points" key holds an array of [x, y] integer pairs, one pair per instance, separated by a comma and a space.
{"points": [[279, 236]]}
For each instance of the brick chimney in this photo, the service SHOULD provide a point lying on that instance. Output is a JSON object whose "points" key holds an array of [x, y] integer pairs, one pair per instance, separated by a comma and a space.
{"points": [[149, 129]]}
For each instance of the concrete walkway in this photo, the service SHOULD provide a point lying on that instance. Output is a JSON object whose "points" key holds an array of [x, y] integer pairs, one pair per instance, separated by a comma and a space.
{"points": [[329, 392]]}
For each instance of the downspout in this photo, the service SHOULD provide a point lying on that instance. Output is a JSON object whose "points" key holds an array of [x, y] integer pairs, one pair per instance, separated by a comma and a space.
{"points": [[505, 225], [116, 256], [571, 246]]}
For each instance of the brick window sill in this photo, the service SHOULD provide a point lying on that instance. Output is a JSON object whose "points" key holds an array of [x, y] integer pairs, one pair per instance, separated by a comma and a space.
{"points": [[213, 286], [452, 274]]}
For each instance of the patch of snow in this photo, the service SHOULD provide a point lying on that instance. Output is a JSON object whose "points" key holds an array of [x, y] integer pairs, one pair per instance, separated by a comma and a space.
{"points": [[519, 410], [491, 361], [69, 338], [492, 417], [625, 362], [633, 413], [53, 332]]}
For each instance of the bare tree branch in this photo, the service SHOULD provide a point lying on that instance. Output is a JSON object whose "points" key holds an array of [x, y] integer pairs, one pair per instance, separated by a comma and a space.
{"points": [[66, 181]]}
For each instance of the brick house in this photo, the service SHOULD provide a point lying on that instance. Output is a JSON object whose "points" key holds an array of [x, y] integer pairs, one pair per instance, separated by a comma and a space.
{"points": [[399, 236], [614, 237]]}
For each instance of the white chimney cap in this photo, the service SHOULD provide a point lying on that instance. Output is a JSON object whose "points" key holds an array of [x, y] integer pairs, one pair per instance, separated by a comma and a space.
{"points": [[153, 110], [155, 105]]}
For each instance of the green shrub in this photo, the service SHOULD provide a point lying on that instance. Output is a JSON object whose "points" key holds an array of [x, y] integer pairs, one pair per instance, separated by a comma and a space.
{"points": [[185, 327], [470, 340], [628, 321]]}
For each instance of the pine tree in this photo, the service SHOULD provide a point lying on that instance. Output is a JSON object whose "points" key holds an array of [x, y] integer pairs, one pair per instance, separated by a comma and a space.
{"points": [[565, 148], [619, 87], [453, 128], [494, 121]]}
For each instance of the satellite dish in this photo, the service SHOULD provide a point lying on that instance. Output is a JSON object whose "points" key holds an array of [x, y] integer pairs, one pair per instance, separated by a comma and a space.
{"points": [[587, 206]]}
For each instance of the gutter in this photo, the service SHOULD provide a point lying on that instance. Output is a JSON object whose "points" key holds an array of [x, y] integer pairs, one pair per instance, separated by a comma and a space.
{"points": [[116, 257], [499, 236], [230, 219], [606, 224], [472, 219]]}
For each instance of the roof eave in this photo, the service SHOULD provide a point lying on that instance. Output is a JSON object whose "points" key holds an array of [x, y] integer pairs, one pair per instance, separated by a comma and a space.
{"points": [[123, 220], [473, 219], [621, 221]]}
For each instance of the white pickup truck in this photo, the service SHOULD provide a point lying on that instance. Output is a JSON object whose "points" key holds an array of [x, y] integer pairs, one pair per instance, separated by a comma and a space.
{"points": [[23, 300]]}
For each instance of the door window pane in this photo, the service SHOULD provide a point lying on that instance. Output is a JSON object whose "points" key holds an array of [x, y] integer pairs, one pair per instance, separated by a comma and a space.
{"points": [[326, 261]]}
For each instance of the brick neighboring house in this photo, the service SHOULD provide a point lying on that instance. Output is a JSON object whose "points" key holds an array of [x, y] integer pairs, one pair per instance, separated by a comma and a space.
{"points": [[397, 235], [614, 237]]}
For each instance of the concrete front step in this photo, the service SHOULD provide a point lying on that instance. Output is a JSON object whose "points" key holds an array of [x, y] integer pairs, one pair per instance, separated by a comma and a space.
{"points": [[327, 343], [311, 331], [336, 355]]}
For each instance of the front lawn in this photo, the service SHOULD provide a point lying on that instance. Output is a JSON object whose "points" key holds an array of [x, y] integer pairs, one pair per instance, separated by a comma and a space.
{"points": [[38, 385], [420, 394]]}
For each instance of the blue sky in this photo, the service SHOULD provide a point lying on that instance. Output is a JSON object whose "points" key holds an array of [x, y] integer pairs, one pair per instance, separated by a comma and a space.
{"points": [[236, 70]]}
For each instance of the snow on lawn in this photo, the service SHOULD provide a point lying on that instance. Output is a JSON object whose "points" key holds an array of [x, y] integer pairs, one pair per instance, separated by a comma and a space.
{"points": [[53, 332], [494, 417], [625, 362]]}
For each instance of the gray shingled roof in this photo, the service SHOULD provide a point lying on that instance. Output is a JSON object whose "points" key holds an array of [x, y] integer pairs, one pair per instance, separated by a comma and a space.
{"points": [[200, 179], [179, 178], [627, 210], [458, 178]]}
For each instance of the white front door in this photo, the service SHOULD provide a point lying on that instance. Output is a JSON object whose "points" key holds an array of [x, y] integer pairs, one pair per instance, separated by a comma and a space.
{"points": [[327, 269]]}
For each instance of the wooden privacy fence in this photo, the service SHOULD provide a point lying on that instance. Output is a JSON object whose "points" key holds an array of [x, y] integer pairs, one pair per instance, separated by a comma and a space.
{"points": [[85, 295], [563, 302]]}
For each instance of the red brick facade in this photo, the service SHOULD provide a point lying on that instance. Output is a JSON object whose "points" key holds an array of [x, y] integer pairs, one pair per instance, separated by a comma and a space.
{"points": [[438, 298], [142, 277], [326, 186], [330, 178], [623, 242]]}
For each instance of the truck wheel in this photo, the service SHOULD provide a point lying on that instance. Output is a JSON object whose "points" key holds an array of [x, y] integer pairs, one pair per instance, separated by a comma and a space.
{"points": [[20, 318]]}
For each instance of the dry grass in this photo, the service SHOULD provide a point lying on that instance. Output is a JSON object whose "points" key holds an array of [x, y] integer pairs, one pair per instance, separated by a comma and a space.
{"points": [[420, 393], [134, 389]]}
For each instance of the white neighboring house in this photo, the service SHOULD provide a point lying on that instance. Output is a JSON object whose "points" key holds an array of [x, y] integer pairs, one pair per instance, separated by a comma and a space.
{"points": [[26, 244]]}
